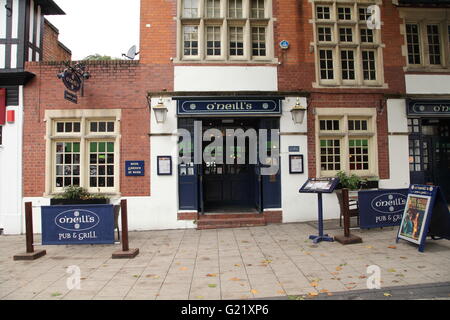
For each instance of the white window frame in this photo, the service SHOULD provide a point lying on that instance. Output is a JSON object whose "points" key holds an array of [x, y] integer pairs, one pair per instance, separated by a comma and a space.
{"points": [[336, 45], [422, 18], [344, 135], [225, 22], [84, 137]]}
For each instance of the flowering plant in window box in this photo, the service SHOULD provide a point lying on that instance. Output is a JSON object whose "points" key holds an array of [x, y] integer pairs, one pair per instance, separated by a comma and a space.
{"points": [[78, 195]]}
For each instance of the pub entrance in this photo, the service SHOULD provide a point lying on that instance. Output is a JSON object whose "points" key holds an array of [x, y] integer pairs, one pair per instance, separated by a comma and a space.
{"points": [[232, 183], [429, 152]]}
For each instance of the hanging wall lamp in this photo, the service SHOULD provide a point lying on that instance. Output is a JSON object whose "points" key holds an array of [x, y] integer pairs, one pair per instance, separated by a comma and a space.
{"points": [[298, 112], [160, 110]]}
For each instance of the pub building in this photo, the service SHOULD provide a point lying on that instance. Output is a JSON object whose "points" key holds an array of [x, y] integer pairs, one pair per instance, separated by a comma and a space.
{"points": [[332, 88], [426, 30], [25, 35]]}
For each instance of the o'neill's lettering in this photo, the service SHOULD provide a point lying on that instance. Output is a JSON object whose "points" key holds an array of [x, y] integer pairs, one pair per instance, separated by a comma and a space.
{"points": [[230, 106], [77, 220]]}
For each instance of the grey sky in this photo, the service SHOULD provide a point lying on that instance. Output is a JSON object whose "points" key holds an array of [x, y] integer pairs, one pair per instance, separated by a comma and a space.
{"points": [[107, 27]]}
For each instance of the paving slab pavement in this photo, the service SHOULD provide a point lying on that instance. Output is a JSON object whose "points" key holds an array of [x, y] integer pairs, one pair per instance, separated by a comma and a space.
{"points": [[274, 261]]}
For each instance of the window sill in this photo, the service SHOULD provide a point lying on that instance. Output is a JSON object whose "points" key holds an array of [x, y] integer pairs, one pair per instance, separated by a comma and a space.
{"points": [[427, 69], [223, 61], [339, 86]]}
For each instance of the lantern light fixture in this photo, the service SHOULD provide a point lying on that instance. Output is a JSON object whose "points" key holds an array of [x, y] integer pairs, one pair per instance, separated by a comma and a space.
{"points": [[160, 111], [298, 112]]}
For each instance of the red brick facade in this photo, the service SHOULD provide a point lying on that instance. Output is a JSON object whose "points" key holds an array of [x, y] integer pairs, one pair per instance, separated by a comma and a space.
{"points": [[53, 50], [113, 85], [124, 85]]}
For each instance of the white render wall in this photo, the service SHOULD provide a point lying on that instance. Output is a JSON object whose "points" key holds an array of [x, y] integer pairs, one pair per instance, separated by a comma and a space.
{"points": [[398, 145], [297, 206], [225, 78], [427, 84], [11, 172]]}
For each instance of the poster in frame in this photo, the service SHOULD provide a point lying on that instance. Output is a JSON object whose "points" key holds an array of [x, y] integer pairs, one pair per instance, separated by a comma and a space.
{"points": [[164, 165], [296, 165], [415, 218]]}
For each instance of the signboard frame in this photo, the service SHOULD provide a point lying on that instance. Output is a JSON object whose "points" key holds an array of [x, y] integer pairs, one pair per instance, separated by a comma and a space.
{"points": [[330, 185], [369, 215], [229, 106], [68, 230], [424, 214], [436, 210]]}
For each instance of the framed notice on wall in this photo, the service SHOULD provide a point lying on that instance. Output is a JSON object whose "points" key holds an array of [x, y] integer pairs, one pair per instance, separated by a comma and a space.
{"points": [[295, 163], [164, 164]]}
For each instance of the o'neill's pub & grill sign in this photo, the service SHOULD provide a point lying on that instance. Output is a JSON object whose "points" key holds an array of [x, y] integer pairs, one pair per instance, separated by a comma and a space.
{"points": [[429, 108], [224, 106]]}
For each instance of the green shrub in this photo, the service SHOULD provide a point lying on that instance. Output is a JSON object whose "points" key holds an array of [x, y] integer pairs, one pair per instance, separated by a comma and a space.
{"points": [[351, 182], [77, 193]]}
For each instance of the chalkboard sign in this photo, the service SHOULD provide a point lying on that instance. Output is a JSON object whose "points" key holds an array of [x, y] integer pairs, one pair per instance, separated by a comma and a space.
{"points": [[426, 214], [319, 185]]}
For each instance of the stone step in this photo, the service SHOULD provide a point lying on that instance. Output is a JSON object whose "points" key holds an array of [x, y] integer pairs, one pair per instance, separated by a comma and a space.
{"points": [[217, 223], [230, 216]]}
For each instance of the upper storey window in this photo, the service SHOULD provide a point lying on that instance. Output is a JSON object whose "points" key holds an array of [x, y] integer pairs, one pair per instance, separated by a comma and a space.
{"points": [[348, 52], [190, 8], [427, 39], [225, 30]]}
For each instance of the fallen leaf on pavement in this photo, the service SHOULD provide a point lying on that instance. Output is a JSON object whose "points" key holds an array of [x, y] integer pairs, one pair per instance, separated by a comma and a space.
{"points": [[266, 261], [200, 297], [211, 275], [392, 247], [362, 277], [183, 268], [235, 279], [314, 284], [323, 291], [237, 265], [392, 270], [281, 292], [212, 285], [338, 268], [254, 291], [387, 294], [313, 294], [369, 247]]}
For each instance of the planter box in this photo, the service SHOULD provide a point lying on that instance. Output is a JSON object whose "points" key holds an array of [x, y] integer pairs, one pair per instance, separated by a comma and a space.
{"points": [[65, 202], [367, 185]]}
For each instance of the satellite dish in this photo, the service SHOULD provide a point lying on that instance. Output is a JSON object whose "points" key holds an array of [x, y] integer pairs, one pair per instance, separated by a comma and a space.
{"points": [[131, 54]]}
